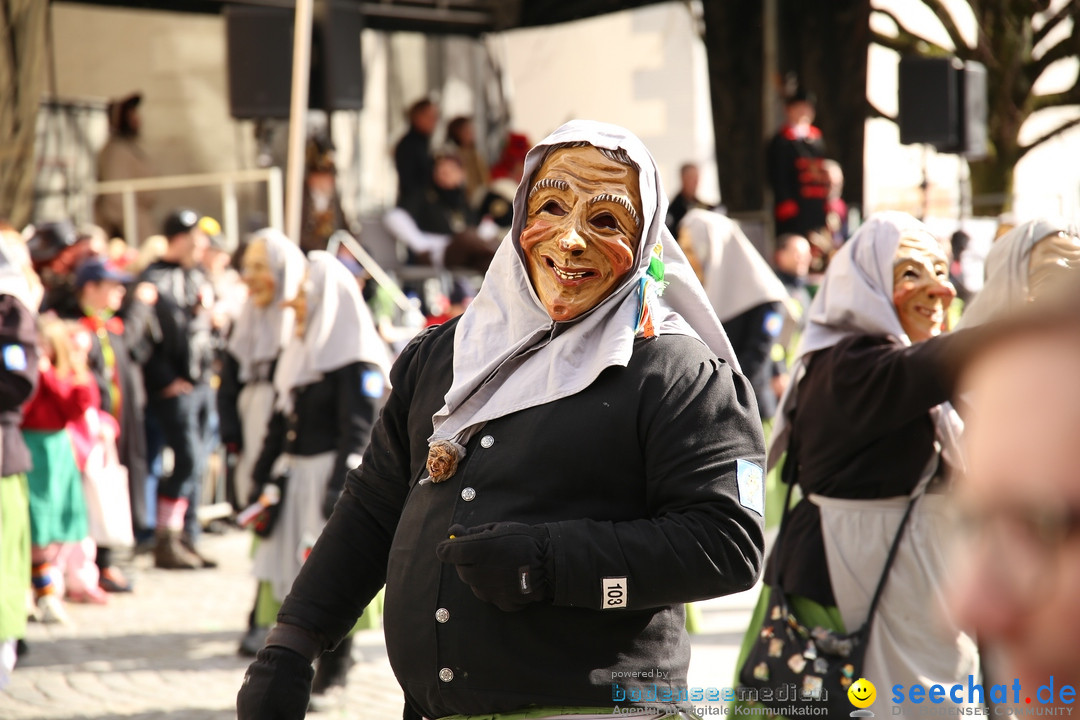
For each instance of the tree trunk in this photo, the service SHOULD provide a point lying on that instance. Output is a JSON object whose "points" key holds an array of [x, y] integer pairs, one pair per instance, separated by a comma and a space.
{"points": [[825, 43], [734, 44], [22, 75], [991, 185]]}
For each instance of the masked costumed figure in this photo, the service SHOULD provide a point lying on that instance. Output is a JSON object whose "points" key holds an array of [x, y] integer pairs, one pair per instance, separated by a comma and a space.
{"points": [[329, 383], [866, 421], [556, 472]]}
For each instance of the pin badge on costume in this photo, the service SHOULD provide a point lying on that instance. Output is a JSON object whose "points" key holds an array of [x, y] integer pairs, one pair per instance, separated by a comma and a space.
{"points": [[613, 593], [372, 384], [751, 486], [774, 323], [14, 357]]}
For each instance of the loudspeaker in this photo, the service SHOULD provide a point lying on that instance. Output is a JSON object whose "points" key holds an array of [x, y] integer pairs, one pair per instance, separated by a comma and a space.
{"points": [[942, 102], [337, 77], [260, 48]]}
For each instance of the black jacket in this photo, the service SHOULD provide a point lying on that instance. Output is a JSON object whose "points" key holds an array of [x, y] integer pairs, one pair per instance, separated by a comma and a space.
{"points": [[183, 347], [336, 413], [752, 335], [634, 477], [18, 378]]}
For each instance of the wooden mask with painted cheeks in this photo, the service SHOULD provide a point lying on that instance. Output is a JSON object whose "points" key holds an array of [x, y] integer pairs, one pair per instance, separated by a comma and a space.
{"points": [[921, 288], [257, 274], [582, 229]]}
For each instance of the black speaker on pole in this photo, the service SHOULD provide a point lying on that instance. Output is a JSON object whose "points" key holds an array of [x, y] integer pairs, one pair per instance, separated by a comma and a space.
{"points": [[942, 102], [260, 49]]}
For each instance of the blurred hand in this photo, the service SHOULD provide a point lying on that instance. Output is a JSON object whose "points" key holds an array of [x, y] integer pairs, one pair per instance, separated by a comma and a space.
{"points": [[146, 293], [177, 387]]}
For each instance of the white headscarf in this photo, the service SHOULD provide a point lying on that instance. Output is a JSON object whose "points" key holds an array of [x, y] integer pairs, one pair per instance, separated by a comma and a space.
{"points": [[260, 333], [855, 298], [737, 278], [508, 353], [14, 264], [1007, 269], [339, 330]]}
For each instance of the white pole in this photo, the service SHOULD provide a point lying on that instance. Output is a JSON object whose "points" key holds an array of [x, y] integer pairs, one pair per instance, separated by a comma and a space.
{"points": [[294, 185], [230, 215], [274, 199], [131, 220]]}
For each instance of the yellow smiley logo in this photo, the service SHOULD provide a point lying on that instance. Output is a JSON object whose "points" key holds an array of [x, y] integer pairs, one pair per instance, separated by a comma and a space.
{"points": [[862, 693]]}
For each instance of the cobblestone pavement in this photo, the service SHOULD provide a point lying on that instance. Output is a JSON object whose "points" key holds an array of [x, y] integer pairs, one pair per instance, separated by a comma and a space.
{"points": [[168, 650]]}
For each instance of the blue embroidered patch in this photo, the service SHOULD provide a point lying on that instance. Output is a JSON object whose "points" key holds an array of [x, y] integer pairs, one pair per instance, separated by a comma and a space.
{"points": [[751, 486], [372, 384], [14, 357], [774, 323]]}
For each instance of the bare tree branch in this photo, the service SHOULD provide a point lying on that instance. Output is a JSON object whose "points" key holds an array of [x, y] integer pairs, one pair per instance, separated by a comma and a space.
{"points": [[1043, 138], [905, 41], [1067, 48], [1069, 9], [963, 51], [1052, 100]]}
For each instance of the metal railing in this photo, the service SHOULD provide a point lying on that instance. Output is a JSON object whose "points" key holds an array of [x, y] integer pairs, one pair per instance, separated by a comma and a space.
{"points": [[228, 180]]}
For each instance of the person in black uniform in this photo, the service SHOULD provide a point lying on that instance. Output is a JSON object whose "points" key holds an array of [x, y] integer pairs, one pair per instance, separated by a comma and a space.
{"points": [[555, 473], [412, 155], [795, 162]]}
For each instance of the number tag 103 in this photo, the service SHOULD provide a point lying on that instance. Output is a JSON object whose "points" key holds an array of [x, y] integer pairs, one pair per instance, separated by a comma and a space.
{"points": [[614, 594]]}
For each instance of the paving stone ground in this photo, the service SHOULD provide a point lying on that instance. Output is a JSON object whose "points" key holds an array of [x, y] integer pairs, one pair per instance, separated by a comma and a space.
{"points": [[168, 650]]}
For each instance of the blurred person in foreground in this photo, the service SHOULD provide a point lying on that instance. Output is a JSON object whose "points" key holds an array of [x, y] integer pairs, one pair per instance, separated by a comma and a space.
{"points": [[554, 474], [1017, 562], [1022, 264]]}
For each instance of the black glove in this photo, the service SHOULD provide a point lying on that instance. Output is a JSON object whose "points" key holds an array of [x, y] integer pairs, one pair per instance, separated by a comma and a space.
{"points": [[508, 564], [277, 686]]}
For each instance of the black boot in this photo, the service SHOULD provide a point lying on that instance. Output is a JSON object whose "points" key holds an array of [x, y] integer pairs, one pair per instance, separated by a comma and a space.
{"points": [[331, 670]]}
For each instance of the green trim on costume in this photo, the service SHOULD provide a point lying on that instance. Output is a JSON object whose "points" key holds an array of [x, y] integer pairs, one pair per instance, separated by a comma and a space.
{"points": [[808, 612], [546, 712], [267, 607], [14, 555]]}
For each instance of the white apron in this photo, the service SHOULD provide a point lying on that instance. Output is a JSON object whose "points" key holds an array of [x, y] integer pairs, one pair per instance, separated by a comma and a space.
{"points": [[255, 406], [279, 557], [913, 639]]}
